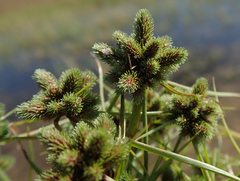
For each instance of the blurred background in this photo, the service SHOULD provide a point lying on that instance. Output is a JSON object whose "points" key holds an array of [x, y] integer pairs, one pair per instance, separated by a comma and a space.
{"points": [[58, 34]]}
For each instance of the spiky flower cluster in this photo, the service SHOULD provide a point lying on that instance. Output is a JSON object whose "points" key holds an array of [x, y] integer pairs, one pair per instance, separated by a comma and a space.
{"points": [[140, 60], [195, 114], [86, 153], [69, 96]]}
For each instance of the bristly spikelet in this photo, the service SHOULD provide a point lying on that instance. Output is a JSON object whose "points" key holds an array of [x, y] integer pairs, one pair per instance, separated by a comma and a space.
{"points": [[128, 82], [44, 78], [152, 48], [88, 78], [68, 158], [143, 27], [195, 114], [141, 57], [33, 109], [94, 172], [127, 177], [105, 121], [69, 96], [86, 153], [104, 52], [54, 141], [70, 81], [98, 140], [201, 86], [71, 104]]}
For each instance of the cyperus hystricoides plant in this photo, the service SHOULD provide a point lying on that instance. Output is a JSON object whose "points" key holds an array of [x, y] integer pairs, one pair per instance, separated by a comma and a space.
{"points": [[196, 115], [139, 61], [69, 96], [94, 149], [86, 153]]}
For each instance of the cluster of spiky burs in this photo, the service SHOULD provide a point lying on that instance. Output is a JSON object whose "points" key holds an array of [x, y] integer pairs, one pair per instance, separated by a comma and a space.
{"points": [[69, 96], [140, 60], [197, 114], [86, 153]]}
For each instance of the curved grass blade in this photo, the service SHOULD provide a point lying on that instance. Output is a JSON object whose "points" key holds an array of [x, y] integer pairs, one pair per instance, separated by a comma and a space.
{"points": [[183, 159]]}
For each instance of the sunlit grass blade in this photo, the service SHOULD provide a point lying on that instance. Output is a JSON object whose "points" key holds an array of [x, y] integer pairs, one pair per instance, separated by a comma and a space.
{"points": [[183, 159], [209, 93], [18, 138], [8, 114], [101, 91], [113, 102], [225, 123], [3, 176], [22, 122]]}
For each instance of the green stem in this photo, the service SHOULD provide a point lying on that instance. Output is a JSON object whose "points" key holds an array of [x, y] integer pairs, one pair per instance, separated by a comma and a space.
{"points": [[122, 117], [229, 134], [177, 144], [129, 114], [140, 163], [18, 138], [156, 165], [154, 130], [23, 122], [55, 122], [8, 114], [35, 132], [73, 120], [135, 117], [168, 163], [31, 151], [101, 91], [145, 126], [184, 154], [162, 169], [3, 175], [130, 160], [186, 144], [120, 169], [225, 123], [107, 88], [31, 163], [200, 158], [113, 102], [207, 158]]}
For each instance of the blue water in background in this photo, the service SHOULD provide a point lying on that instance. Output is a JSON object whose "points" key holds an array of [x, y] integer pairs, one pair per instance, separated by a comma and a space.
{"points": [[209, 30]]}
